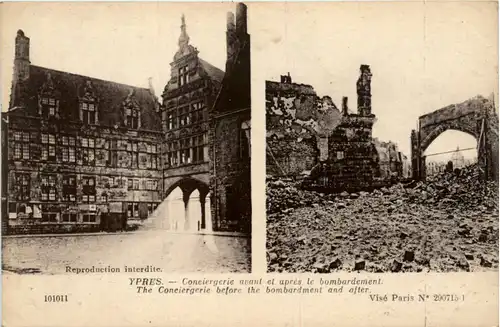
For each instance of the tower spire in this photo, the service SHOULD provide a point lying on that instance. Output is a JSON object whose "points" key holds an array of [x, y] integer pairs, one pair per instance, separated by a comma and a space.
{"points": [[184, 37]]}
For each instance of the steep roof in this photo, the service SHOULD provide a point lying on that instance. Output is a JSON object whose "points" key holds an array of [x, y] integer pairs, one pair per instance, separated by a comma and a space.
{"points": [[69, 87], [212, 71]]}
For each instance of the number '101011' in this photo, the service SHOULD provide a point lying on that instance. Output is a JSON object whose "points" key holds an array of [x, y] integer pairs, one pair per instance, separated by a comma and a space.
{"points": [[56, 298]]}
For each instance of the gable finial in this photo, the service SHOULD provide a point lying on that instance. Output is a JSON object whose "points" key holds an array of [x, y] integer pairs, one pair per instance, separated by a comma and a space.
{"points": [[184, 37]]}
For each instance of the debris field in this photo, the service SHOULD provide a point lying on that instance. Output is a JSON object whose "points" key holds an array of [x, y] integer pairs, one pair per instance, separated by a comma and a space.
{"points": [[448, 223]]}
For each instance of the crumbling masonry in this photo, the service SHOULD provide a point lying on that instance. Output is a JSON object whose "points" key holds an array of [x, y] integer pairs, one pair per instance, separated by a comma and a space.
{"points": [[305, 132]]}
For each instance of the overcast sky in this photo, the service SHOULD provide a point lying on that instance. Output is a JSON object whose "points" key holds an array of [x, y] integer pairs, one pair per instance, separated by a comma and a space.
{"points": [[121, 42], [423, 56]]}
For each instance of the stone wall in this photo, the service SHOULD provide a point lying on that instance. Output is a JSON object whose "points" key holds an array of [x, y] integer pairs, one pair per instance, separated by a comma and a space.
{"points": [[296, 122], [231, 175], [230, 134], [290, 157]]}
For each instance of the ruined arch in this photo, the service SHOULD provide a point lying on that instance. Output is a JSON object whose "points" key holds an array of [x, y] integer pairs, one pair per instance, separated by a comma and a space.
{"points": [[476, 117], [433, 133]]}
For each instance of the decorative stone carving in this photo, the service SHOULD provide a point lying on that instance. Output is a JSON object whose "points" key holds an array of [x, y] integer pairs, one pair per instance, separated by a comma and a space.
{"points": [[184, 47]]}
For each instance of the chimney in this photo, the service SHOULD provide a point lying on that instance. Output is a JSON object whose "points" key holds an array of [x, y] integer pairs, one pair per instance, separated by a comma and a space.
{"points": [[150, 86], [286, 79], [230, 22], [231, 41], [364, 91], [241, 19], [21, 70], [22, 57], [345, 108]]}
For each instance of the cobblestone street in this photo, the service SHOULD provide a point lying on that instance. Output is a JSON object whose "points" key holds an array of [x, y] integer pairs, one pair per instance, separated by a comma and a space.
{"points": [[169, 251]]}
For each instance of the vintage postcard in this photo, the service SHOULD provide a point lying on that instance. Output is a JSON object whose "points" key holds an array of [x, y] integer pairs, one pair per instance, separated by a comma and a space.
{"points": [[241, 164]]}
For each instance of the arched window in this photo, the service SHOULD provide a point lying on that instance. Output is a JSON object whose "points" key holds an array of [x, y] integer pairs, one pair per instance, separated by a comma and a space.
{"points": [[245, 139]]}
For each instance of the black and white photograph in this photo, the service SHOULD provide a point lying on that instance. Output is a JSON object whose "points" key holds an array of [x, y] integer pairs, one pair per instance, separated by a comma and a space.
{"points": [[381, 137], [126, 138]]}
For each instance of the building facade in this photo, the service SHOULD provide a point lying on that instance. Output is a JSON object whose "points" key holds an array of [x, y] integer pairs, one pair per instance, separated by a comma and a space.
{"points": [[187, 99], [83, 154]]}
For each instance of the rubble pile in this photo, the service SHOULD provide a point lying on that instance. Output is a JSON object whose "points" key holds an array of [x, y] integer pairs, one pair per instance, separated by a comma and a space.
{"points": [[283, 195], [448, 223]]}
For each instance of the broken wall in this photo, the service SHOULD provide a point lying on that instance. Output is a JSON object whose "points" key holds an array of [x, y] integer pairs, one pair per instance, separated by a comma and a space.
{"points": [[297, 122]]}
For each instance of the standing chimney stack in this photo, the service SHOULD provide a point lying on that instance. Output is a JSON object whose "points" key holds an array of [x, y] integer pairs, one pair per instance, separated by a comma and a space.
{"points": [[241, 19], [345, 108], [22, 57], [230, 22], [231, 41], [364, 91]]}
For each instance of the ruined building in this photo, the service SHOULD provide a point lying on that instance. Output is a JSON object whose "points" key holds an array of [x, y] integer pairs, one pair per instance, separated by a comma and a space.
{"points": [[335, 145], [83, 154], [391, 162], [291, 118]]}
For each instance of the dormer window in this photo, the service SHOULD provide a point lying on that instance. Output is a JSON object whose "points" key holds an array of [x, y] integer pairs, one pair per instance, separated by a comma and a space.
{"points": [[88, 112], [48, 107], [183, 75], [132, 117]]}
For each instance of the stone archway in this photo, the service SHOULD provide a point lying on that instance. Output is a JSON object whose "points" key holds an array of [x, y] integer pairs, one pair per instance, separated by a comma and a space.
{"points": [[476, 117], [184, 208], [173, 218]]}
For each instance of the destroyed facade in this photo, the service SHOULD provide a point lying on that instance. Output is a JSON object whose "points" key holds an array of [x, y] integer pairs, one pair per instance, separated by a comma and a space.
{"points": [[83, 154], [333, 148]]}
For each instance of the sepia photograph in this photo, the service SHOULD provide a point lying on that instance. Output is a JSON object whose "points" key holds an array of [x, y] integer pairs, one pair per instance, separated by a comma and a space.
{"points": [[126, 138], [381, 156], [240, 164]]}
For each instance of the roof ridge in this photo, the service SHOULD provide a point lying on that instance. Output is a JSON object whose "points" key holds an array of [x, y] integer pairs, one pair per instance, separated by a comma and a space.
{"points": [[90, 77]]}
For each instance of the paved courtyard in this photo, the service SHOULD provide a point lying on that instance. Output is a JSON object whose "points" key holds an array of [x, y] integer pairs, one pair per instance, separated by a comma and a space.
{"points": [[169, 251]]}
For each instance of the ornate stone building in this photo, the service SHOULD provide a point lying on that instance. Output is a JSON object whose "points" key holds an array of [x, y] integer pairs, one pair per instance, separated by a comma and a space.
{"points": [[187, 99], [83, 154], [80, 153]]}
